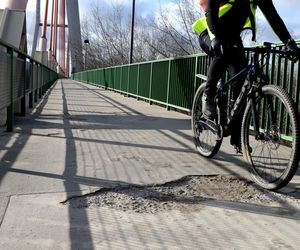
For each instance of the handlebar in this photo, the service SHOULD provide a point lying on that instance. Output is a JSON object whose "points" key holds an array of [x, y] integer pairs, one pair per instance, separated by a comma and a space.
{"points": [[272, 48]]}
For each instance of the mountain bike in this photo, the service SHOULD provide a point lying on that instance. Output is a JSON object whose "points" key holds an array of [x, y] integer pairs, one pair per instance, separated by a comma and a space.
{"points": [[270, 124]]}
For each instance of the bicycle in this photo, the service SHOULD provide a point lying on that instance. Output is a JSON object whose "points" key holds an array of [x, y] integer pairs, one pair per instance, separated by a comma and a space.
{"points": [[270, 124]]}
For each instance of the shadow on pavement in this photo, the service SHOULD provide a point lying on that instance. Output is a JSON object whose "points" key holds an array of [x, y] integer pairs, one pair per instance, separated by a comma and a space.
{"points": [[125, 119]]}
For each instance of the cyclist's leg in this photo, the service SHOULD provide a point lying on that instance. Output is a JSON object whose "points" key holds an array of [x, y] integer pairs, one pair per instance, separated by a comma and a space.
{"points": [[215, 71], [236, 63], [214, 74]]}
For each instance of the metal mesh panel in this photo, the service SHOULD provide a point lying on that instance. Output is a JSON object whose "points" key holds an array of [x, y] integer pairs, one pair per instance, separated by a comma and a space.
{"points": [[91, 76], [45, 76], [97, 77], [85, 76], [94, 76], [104, 83], [19, 78], [133, 74], [182, 82], [102, 77], [124, 78], [144, 79], [34, 76], [28, 77], [4, 80], [159, 86], [110, 77], [118, 78], [40, 80]]}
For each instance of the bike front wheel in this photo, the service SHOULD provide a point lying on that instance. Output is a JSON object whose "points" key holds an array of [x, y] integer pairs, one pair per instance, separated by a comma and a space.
{"points": [[273, 152], [205, 133]]}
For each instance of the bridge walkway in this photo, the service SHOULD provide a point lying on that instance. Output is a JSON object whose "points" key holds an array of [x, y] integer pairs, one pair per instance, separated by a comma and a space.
{"points": [[81, 138]]}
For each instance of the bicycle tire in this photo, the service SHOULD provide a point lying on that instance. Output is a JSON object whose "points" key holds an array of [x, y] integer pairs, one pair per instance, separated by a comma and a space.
{"points": [[207, 143], [279, 140]]}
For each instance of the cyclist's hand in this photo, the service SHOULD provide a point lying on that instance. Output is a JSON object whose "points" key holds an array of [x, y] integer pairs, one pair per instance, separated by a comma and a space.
{"points": [[292, 47], [217, 47]]}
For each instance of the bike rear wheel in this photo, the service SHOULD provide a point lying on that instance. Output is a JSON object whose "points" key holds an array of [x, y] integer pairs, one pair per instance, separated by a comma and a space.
{"points": [[274, 156], [206, 138]]}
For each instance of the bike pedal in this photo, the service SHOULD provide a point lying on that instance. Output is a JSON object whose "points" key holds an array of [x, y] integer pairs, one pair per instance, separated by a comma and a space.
{"points": [[238, 150]]}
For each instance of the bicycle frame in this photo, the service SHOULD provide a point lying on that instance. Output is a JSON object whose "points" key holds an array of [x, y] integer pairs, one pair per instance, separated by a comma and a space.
{"points": [[248, 74], [248, 82]]}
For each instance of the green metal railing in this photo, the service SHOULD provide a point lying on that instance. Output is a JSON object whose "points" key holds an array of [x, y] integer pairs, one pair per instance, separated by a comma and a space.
{"points": [[172, 82], [21, 77]]}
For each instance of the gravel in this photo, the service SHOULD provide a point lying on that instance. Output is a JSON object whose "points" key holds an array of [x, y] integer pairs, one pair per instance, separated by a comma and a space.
{"points": [[185, 194]]}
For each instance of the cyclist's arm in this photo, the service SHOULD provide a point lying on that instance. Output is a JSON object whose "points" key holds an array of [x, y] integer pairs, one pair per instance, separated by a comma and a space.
{"points": [[268, 9], [212, 13]]}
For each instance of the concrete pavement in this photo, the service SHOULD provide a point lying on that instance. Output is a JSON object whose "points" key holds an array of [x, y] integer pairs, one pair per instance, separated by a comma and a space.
{"points": [[81, 138]]}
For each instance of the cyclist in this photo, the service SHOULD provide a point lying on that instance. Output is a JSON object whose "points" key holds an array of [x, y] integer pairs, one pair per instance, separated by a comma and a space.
{"points": [[220, 37]]}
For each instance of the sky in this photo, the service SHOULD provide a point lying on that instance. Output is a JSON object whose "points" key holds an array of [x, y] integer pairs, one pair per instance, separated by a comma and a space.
{"points": [[289, 10]]}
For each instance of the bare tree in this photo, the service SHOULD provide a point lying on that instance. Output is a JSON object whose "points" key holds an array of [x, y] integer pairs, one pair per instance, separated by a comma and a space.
{"points": [[173, 29], [165, 33], [160, 35]]}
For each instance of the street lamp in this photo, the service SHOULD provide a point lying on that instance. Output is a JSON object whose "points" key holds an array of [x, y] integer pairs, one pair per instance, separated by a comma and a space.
{"points": [[132, 28], [86, 42]]}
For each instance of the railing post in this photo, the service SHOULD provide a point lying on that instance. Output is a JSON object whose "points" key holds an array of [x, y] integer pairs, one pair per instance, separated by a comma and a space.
{"points": [[138, 83], [168, 85], [10, 108]]}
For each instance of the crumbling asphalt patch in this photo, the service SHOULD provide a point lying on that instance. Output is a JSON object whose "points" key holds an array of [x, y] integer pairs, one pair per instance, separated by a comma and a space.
{"points": [[184, 194]]}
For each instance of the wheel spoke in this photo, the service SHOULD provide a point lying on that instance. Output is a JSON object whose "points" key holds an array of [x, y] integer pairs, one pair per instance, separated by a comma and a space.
{"points": [[274, 157], [206, 136]]}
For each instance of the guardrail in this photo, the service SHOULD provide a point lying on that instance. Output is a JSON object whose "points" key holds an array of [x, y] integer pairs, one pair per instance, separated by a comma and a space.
{"points": [[171, 82], [21, 77]]}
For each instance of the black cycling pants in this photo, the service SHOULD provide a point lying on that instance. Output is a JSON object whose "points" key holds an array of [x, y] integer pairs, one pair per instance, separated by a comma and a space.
{"points": [[233, 61]]}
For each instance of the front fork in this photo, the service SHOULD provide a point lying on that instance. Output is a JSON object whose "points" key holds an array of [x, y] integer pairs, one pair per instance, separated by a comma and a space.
{"points": [[255, 119], [255, 114]]}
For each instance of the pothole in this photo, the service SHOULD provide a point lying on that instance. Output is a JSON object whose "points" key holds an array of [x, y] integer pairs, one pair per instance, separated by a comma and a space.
{"points": [[183, 194]]}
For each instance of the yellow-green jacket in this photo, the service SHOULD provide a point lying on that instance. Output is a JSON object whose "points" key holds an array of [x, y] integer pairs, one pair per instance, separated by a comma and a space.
{"points": [[201, 26]]}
